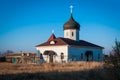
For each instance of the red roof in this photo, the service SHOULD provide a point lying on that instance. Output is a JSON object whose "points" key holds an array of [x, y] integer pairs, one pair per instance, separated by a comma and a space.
{"points": [[58, 41], [51, 37], [66, 41]]}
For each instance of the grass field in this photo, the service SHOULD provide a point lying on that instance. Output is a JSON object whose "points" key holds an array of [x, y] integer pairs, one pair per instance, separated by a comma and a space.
{"points": [[56, 71]]}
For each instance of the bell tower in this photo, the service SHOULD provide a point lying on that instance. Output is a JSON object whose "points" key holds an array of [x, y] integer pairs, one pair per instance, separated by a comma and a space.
{"points": [[71, 28]]}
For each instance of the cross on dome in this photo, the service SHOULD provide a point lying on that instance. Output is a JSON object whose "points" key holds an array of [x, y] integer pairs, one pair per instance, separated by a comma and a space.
{"points": [[71, 7], [53, 31]]}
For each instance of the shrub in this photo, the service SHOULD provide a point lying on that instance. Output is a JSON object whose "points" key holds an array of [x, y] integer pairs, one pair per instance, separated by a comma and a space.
{"points": [[115, 54]]}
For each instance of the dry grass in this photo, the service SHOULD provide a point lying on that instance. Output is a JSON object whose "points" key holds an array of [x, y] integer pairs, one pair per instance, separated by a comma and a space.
{"points": [[8, 68], [59, 71]]}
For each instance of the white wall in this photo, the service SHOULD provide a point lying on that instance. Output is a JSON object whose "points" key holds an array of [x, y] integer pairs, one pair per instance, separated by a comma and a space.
{"points": [[57, 49], [77, 51], [70, 51], [68, 34]]}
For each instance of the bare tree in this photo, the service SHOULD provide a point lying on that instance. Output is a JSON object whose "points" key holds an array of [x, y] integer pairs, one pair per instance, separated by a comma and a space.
{"points": [[115, 60], [115, 54]]}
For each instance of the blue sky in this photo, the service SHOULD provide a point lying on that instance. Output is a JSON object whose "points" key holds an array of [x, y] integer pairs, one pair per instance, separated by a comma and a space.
{"points": [[27, 23]]}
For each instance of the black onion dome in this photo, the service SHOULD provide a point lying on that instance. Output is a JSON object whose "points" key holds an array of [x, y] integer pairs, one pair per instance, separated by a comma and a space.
{"points": [[71, 24]]}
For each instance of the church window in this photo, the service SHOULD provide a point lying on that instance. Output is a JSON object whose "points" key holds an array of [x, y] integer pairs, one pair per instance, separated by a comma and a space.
{"points": [[62, 55], [81, 56], [66, 33], [52, 42], [72, 34]]}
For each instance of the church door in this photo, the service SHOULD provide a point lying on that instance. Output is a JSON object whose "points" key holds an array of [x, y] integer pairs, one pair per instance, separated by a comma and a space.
{"points": [[51, 55], [51, 58], [89, 55]]}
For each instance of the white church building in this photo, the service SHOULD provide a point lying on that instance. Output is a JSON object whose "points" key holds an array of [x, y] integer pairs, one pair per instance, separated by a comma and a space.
{"points": [[69, 48]]}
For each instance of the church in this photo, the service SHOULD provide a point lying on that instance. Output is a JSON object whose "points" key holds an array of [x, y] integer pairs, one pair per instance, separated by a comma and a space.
{"points": [[69, 48]]}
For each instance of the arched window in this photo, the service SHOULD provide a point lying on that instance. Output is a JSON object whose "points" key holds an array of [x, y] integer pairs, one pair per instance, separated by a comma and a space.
{"points": [[52, 42], [81, 56], [72, 34], [62, 55]]}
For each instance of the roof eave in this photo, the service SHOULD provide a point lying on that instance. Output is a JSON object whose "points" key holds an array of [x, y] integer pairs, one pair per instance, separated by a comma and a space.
{"points": [[87, 46]]}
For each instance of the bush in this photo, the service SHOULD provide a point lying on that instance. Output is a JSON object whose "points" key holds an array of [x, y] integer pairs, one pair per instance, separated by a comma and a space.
{"points": [[114, 59], [115, 54]]}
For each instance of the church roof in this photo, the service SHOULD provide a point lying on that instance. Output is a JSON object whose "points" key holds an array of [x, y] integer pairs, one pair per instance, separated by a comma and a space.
{"points": [[65, 41], [51, 37], [71, 24]]}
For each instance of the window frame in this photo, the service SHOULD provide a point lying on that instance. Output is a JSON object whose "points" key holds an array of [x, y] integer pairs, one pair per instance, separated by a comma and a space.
{"points": [[72, 34], [62, 55]]}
